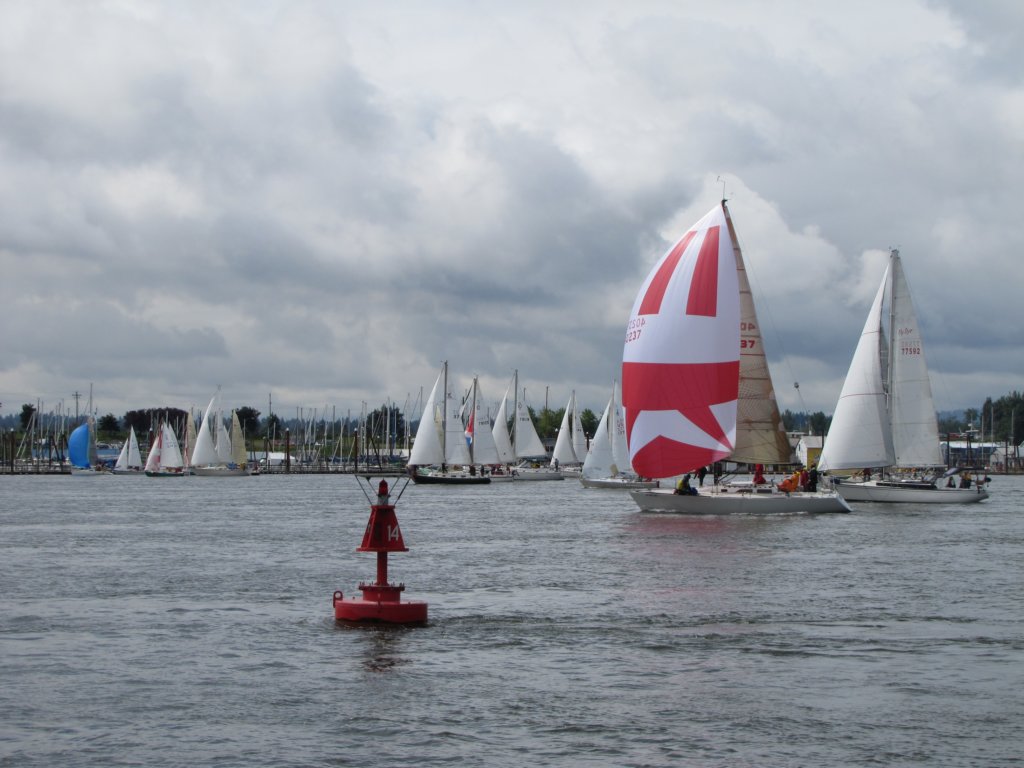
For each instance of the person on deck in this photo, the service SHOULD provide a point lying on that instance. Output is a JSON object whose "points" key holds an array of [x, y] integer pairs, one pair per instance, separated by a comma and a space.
{"points": [[759, 474], [812, 479], [683, 487], [701, 474]]}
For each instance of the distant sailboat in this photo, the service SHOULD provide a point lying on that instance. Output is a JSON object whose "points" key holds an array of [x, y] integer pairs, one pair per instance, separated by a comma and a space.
{"points": [[523, 444], [220, 459], [165, 458], [441, 451], [570, 445], [885, 417], [129, 461], [695, 380], [607, 464], [82, 455]]}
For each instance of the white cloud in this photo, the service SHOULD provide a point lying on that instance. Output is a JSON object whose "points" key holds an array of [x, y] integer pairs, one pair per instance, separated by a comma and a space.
{"points": [[324, 200]]}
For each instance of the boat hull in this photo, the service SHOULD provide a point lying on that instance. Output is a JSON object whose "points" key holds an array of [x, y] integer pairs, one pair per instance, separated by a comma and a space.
{"points": [[536, 473], [617, 482], [893, 493], [220, 471], [722, 502], [449, 478]]}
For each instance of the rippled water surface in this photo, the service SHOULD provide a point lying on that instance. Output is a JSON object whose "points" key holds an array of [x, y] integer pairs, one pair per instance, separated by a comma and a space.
{"points": [[168, 622]]}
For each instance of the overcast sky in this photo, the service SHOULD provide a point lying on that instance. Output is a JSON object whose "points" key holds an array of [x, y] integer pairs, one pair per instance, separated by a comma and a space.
{"points": [[323, 200]]}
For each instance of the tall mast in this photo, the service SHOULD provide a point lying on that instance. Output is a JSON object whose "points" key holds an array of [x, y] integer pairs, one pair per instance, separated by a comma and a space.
{"points": [[515, 412], [890, 346], [444, 416]]}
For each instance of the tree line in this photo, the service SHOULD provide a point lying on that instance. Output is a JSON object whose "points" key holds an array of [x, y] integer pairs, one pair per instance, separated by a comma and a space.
{"points": [[1001, 420]]}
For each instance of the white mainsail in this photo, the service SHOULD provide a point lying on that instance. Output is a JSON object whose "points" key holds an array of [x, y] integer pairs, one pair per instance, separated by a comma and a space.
{"points": [[223, 441], [915, 429], [860, 435], [502, 439], [130, 457], [481, 431], [600, 461], [427, 447], [579, 439], [456, 450], [525, 440], [617, 432], [565, 451], [153, 459], [204, 453], [170, 453]]}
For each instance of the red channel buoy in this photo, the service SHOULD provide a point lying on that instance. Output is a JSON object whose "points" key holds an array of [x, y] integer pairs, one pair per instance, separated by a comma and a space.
{"points": [[381, 601]]}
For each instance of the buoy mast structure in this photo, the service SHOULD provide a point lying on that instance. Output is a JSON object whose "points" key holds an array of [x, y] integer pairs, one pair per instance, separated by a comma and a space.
{"points": [[381, 601]]}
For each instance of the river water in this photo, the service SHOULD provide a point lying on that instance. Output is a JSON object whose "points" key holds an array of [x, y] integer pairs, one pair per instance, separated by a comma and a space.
{"points": [[172, 622]]}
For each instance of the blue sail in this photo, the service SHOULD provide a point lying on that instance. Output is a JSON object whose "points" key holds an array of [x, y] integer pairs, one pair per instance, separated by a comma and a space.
{"points": [[78, 447]]}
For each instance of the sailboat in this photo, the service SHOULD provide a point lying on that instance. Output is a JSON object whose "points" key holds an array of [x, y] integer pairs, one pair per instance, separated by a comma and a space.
{"points": [[571, 444], [165, 458], [607, 464], [885, 417], [441, 444], [129, 461], [82, 455], [523, 444], [696, 387], [210, 459]]}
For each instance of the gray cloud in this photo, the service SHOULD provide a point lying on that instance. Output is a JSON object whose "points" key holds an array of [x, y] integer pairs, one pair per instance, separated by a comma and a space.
{"points": [[324, 201]]}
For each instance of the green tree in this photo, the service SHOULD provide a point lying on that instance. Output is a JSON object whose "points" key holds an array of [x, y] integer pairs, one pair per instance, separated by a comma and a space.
{"points": [[589, 420], [273, 428], [27, 412], [819, 423], [108, 425], [150, 418], [250, 420], [547, 422]]}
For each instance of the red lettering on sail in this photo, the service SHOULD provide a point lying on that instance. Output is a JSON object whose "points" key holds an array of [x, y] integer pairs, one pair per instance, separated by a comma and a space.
{"points": [[690, 389], [651, 304], [703, 298]]}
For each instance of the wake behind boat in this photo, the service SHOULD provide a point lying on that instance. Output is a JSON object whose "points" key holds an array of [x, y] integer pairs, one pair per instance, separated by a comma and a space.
{"points": [[885, 417], [695, 380]]}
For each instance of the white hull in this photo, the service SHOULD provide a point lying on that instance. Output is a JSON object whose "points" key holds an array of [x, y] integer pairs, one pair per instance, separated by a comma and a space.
{"points": [[872, 491], [721, 502], [220, 471], [536, 473], [624, 483]]}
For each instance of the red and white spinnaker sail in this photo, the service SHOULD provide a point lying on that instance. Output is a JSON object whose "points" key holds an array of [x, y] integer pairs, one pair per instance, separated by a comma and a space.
{"points": [[681, 359]]}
